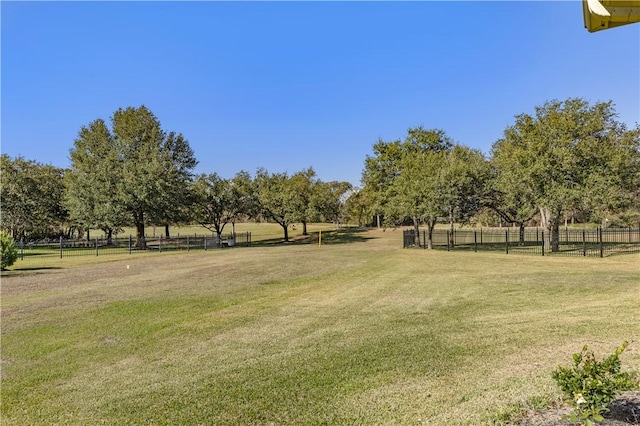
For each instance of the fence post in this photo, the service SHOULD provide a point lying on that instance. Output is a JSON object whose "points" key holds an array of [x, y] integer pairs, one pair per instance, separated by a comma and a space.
{"points": [[506, 239], [600, 241], [187, 243], [542, 240], [475, 241], [160, 245], [480, 236], [205, 243], [584, 243], [96, 246], [60, 247]]}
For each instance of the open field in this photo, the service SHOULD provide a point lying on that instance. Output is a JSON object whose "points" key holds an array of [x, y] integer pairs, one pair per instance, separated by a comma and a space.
{"points": [[358, 331]]}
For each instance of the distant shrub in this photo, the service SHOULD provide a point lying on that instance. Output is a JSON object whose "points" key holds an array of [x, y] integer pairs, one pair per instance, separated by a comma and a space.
{"points": [[9, 250], [591, 384]]}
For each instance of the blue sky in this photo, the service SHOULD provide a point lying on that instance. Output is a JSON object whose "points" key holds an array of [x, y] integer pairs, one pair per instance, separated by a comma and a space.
{"points": [[288, 85]]}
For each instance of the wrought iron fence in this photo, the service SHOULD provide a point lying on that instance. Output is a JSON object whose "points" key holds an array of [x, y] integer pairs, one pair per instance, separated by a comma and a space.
{"points": [[571, 242], [102, 246]]}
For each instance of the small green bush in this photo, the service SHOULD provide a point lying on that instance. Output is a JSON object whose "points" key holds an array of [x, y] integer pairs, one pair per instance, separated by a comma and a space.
{"points": [[9, 250], [591, 384]]}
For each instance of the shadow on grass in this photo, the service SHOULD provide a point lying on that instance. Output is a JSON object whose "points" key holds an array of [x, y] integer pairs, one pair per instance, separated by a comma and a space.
{"points": [[338, 236], [21, 272]]}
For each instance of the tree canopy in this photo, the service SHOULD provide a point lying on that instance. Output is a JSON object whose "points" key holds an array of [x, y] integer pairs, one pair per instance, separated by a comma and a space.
{"points": [[139, 170], [219, 201], [31, 198], [567, 158], [424, 177], [568, 155]]}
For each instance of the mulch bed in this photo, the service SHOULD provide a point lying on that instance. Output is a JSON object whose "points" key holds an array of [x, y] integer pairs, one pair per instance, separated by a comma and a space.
{"points": [[624, 411]]}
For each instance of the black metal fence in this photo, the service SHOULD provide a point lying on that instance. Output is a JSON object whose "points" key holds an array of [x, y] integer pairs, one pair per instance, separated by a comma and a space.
{"points": [[572, 242], [101, 246]]}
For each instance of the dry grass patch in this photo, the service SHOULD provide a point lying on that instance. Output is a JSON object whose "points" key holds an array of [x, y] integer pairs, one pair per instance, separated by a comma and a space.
{"points": [[349, 333]]}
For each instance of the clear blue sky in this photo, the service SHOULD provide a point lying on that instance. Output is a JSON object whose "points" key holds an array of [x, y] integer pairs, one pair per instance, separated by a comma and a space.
{"points": [[288, 85]]}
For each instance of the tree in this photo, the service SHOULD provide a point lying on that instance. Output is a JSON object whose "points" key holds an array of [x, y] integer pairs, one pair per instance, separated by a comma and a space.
{"points": [[172, 198], [405, 179], [8, 250], [463, 179], [380, 171], [245, 197], [305, 204], [329, 200], [276, 199], [357, 208], [417, 193], [92, 183], [512, 201], [219, 201], [31, 198], [570, 155], [143, 171]]}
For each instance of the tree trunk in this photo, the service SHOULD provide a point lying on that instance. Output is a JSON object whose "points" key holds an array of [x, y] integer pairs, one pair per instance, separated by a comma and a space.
{"points": [[551, 225], [451, 227], [286, 232], [166, 230], [304, 228], [431, 224], [378, 220], [416, 232], [140, 241], [219, 230], [555, 237], [109, 237], [521, 239]]}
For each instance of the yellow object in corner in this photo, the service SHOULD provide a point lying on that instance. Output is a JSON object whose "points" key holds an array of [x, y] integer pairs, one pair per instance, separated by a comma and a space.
{"points": [[604, 14]]}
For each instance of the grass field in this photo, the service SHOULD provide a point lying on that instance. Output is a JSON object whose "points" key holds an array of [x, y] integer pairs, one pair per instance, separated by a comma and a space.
{"points": [[358, 331]]}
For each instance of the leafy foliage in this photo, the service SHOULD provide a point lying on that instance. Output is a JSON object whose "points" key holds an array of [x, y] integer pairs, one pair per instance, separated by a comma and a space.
{"points": [[568, 156], [92, 183], [134, 173], [31, 198], [275, 199], [425, 177], [591, 384], [9, 250], [219, 201]]}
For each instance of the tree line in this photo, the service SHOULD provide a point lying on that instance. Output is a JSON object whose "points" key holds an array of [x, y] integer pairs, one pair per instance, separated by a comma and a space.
{"points": [[568, 159], [134, 173]]}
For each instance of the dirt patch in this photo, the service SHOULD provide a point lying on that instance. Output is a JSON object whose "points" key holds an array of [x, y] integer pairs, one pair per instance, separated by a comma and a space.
{"points": [[624, 411]]}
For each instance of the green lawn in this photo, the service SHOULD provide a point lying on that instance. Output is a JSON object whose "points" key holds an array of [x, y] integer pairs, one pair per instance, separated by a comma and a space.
{"points": [[358, 331]]}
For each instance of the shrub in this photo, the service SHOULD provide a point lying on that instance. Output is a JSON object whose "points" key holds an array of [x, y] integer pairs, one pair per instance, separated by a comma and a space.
{"points": [[591, 384], [9, 250]]}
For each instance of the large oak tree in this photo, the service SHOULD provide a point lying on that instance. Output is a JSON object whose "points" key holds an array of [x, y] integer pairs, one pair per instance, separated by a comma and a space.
{"points": [[569, 155], [136, 168]]}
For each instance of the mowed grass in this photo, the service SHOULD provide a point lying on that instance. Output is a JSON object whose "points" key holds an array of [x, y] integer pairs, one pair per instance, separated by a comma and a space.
{"points": [[358, 331]]}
